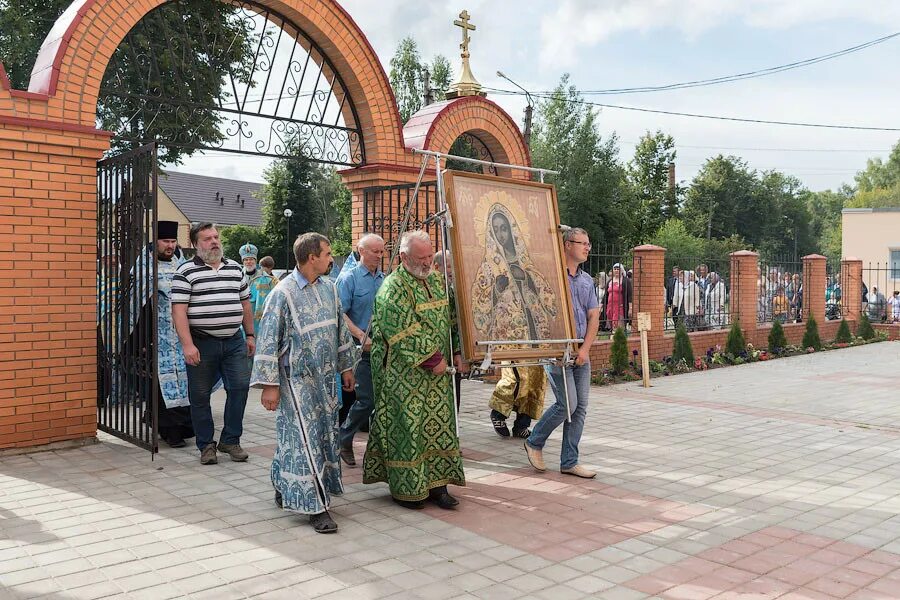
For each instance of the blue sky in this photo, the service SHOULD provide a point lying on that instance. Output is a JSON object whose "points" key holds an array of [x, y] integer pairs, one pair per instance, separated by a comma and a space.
{"points": [[623, 43]]}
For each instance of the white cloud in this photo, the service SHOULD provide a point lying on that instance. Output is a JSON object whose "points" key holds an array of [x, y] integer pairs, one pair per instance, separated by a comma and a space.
{"points": [[579, 24]]}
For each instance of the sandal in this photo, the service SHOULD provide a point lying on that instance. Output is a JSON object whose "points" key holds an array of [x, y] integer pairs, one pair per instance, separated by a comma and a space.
{"points": [[499, 423], [323, 523]]}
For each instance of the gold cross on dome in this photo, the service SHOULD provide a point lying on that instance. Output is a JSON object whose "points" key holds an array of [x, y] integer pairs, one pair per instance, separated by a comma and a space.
{"points": [[463, 22]]}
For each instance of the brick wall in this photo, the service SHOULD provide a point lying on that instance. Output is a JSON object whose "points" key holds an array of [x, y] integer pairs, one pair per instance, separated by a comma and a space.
{"points": [[47, 272]]}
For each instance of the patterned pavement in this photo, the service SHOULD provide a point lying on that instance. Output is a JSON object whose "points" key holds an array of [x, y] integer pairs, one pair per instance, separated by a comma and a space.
{"points": [[771, 480]]}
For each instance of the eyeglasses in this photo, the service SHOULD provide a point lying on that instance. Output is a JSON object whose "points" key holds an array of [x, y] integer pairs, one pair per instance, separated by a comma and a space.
{"points": [[585, 244]]}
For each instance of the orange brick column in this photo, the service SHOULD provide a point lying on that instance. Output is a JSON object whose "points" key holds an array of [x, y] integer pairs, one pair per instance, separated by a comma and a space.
{"points": [[744, 290], [649, 292], [814, 287], [851, 288], [48, 255]]}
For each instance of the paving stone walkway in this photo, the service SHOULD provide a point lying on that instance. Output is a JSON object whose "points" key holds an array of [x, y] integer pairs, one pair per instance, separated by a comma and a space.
{"points": [[770, 480]]}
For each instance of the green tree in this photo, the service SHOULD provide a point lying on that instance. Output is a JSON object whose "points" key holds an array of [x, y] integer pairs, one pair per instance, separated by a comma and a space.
{"points": [[235, 236], [735, 344], [406, 78], [724, 198], [787, 227], [150, 59], [441, 77], [679, 244], [618, 352], [682, 349], [648, 173], [880, 174], [592, 187], [864, 327], [23, 26], [811, 337], [777, 339], [843, 335]]}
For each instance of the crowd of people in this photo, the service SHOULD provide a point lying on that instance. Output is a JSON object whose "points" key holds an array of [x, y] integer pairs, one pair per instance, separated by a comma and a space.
{"points": [[389, 342], [779, 296]]}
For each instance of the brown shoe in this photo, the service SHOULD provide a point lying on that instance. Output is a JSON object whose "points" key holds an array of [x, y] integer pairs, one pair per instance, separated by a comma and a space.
{"points": [[347, 456], [579, 471], [535, 457], [235, 451], [208, 455]]}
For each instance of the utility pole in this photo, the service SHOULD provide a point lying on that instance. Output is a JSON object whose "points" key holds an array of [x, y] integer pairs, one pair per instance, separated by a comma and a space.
{"points": [[529, 109], [709, 225], [429, 93]]}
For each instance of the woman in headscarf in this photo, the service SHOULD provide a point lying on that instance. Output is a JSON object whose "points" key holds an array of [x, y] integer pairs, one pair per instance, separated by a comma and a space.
{"points": [[618, 298]]}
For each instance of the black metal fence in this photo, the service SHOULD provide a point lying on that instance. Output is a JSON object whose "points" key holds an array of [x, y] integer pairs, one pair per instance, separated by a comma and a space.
{"points": [[835, 306], [780, 290], [127, 385], [697, 293], [881, 292], [384, 209], [616, 276]]}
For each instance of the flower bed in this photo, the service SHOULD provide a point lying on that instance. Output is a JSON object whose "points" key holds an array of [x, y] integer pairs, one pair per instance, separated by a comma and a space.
{"points": [[717, 357]]}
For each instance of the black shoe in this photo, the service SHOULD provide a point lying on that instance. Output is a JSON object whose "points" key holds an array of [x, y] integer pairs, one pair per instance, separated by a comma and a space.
{"points": [[411, 504], [521, 433], [323, 523], [442, 498], [499, 423], [174, 442], [279, 499], [347, 456]]}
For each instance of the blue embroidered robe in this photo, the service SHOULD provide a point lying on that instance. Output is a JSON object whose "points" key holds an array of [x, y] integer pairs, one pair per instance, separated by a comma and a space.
{"points": [[302, 343]]}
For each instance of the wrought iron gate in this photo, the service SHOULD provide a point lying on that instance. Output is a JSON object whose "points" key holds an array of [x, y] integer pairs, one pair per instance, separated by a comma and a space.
{"points": [[384, 208], [127, 296]]}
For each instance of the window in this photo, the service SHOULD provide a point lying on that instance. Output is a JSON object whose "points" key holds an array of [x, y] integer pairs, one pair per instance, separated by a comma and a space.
{"points": [[895, 264]]}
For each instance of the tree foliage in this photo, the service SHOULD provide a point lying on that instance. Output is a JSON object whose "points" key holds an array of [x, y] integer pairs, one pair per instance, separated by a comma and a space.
{"points": [[777, 339], [811, 337], [185, 73], [618, 352], [682, 349], [235, 236], [319, 200], [864, 327], [843, 335], [406, 78], [592, 187], [735, 344], [648, 173]]}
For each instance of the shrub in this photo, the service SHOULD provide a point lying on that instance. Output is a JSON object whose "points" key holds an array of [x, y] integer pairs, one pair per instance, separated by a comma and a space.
{"points": [[777, 339], [843, 334], [618, 352], [736, 343], [682, 349], [811, 337], [864, 328]]}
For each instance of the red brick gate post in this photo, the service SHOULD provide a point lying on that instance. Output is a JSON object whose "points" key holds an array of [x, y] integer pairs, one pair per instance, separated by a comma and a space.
{"points": [[649, 294], [851, 288], [814, 287], [744, 291]]}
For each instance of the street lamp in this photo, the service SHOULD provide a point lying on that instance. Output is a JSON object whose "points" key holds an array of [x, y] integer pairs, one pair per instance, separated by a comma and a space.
{"points": [[288, 213], [529, 110]]}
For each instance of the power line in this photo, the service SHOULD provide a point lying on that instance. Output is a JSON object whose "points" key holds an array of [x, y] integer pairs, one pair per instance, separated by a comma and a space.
{"points": [[723, 118], [728, 78]]}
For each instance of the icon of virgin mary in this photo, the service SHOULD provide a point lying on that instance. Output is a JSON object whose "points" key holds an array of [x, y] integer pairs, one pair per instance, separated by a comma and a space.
{"points": [[511, 300]]}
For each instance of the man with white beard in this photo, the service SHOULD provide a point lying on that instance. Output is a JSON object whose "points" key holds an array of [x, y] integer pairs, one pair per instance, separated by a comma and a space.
{"points": [[210, 302]]}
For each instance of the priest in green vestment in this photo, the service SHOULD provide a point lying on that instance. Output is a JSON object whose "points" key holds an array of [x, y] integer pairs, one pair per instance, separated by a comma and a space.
{"points": [[413, 443]]}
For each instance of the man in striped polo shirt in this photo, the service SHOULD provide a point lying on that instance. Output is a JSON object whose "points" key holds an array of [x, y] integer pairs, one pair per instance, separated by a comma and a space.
{"points": [[210, 302]]}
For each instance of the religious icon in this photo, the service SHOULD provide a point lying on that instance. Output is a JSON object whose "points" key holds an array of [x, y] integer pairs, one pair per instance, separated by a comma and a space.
{"points": [[508, 265]]}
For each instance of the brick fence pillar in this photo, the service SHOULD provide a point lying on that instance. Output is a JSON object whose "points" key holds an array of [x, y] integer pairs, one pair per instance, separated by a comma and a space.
{"points": [[649, 290], [851, 288], [744, 290], [814, 287]]}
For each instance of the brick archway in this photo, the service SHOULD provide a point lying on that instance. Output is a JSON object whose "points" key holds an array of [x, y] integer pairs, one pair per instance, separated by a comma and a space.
{"points": [[49, 148], [437, 126]]}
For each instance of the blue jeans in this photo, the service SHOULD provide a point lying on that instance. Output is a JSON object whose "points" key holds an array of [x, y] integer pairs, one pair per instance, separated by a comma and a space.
{"points": [[361, 411], [225, 357], [579, 382]]}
